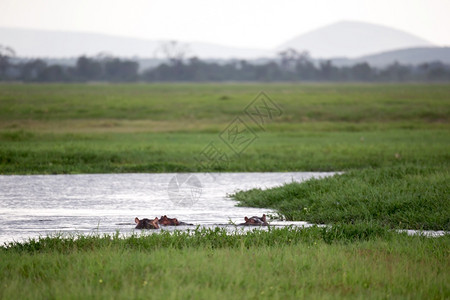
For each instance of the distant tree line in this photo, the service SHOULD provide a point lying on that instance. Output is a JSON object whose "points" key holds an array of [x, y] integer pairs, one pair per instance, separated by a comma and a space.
{"points": [[99, 68], [290, 65]]}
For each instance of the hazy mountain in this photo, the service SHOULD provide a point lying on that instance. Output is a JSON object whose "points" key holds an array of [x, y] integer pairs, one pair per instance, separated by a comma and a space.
{"points": [[353, 39], [411, 56], [46, 43]]}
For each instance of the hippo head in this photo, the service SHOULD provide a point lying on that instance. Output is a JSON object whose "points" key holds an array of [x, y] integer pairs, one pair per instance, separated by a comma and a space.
{"points": [[256, 220], [146, 223], [164, 220]]}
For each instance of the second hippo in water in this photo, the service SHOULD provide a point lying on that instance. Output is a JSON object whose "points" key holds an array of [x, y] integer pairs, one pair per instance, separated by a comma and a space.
{"points": [[255, 221], [146, 223], [165, 221]]}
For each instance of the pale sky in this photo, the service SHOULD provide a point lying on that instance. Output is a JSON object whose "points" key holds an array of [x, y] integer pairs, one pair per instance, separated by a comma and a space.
{"points": [[239, 23]]}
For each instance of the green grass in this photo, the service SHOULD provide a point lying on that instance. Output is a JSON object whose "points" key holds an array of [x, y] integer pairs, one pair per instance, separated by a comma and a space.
{"points": [[65, 128], [404, 196], [280, 264], [25, 152], [203, 237], [194, 102]]}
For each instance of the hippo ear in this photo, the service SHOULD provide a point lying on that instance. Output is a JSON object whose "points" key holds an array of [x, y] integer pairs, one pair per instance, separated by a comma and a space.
{"points": [[246, 219], [136, 220], [264, 218], [155, 223]]}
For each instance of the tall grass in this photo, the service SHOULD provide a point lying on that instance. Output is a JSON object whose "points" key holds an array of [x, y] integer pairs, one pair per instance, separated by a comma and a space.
{"points": [[279, 264], [404, 196], [203, 237]]}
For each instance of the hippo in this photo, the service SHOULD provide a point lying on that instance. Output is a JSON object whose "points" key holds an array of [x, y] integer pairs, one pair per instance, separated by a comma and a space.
{"points": [[146, 223], [165, 221], [255, 221]]}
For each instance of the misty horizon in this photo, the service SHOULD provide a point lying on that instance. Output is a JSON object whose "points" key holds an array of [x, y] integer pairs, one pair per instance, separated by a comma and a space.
{"points": [[350, 39]]}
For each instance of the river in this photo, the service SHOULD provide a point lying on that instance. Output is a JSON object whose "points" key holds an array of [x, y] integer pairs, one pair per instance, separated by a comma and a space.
{"points": [[40, 205]]}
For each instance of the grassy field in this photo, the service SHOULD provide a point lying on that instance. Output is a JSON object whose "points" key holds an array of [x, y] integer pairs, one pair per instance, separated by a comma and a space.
{"points": [[392, 141], [125, 128], [317, 263]]}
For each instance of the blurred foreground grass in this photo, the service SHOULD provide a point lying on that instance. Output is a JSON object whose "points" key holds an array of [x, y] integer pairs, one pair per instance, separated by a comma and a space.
{"points": [[338, 262]]}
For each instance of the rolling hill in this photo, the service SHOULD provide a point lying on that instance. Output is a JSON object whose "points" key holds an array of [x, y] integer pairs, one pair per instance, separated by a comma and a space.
{"points": [[353, 39]]}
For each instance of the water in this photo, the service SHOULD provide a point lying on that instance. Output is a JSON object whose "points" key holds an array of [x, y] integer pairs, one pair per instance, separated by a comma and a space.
{"points": [[39, 205]]}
